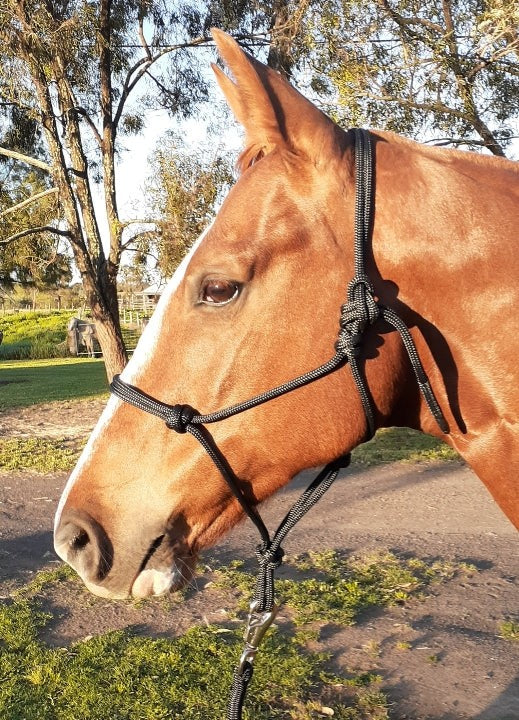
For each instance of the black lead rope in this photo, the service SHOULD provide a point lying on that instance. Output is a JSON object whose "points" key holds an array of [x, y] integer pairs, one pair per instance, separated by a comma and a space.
{"points": [[360, 310]]}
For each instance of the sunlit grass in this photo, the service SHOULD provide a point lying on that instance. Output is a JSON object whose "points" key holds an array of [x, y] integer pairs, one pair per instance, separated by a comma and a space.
{"points": [[29, 382], [34, 334], [402, 444], [38, 454], [341, 588]]}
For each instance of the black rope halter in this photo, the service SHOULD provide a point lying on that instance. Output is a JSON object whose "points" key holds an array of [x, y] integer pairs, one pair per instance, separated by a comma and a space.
{"points": [[360, 311]]}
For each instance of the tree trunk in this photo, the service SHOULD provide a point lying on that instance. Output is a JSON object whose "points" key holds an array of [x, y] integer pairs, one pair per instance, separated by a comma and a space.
{"points": [[114, 352], [105, 313], [98, 276]]}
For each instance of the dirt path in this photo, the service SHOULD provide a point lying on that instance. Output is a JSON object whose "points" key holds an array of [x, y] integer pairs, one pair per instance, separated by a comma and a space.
{"points": [[441, 658], [57, 419]]}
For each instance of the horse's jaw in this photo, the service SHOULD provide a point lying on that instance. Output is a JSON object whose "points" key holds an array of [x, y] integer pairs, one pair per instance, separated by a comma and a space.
{"points": [[168, 569], [153, 582]]}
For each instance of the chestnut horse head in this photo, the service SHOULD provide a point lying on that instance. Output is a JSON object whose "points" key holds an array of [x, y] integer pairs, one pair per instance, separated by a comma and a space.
{"points": [[256, 302]]}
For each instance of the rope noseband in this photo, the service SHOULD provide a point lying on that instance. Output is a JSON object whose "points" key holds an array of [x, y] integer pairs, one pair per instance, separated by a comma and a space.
{"points": [[359, 312]]}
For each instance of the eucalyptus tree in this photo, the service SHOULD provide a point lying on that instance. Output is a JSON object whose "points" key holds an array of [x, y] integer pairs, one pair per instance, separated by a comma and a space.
{"points": [[440, 69], [34, 255], [183, 192], [86, 72], [27, 201]]}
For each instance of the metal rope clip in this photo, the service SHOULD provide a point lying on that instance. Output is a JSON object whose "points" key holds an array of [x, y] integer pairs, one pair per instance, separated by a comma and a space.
{"points": [[258, 623]]}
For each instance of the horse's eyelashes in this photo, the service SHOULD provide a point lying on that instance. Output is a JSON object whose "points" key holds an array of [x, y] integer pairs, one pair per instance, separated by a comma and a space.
{"points": [[218, 291]]}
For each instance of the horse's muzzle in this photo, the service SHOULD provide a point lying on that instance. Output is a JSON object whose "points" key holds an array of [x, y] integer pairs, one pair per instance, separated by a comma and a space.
{"points": [[83, 544]]}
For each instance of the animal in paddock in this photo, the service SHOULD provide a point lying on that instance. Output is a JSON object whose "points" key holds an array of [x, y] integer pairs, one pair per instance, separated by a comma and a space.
{"points": [[257, 302]]}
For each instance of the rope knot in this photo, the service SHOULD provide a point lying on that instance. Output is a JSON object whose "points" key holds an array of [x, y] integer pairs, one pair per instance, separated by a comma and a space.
{"points": [[357, 313], [178, 417], [269, 557]]}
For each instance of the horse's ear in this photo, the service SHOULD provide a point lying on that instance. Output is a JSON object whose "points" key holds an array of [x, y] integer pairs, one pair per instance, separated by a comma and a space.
{"points": [[273, 113]]}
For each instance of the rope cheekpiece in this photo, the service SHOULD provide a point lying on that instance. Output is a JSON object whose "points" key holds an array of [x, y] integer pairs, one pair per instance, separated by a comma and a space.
{"points": [[359, 312]]}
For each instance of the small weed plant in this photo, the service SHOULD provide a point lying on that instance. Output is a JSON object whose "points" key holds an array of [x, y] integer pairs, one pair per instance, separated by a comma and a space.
{"points": [[338, 589], [509, 630]]}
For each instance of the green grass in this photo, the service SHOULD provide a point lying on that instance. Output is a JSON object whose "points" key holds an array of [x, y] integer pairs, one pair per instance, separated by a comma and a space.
{"points": [[396, 444], [43, 580], [29, 382], [120, 676], [39, 454], [34, 334], [509, 630]]}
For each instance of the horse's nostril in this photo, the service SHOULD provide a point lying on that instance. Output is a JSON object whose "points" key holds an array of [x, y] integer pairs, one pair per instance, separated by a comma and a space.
{"points": [[82, 542]]}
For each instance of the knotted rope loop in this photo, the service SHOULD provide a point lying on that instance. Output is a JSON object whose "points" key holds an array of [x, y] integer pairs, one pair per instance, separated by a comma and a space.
{"points": [[179, 417], [269, 557], [357, 313], [363, 284]]}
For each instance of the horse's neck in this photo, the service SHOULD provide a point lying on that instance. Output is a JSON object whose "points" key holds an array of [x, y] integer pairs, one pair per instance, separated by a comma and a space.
{"points": [[444, 256]]}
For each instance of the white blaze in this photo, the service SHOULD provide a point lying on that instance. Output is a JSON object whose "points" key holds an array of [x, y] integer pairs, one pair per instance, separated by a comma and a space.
{"points": [[140, 359]]}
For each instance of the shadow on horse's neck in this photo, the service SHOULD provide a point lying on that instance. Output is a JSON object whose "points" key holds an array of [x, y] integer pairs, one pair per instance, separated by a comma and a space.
{"points": [[387, 291]]}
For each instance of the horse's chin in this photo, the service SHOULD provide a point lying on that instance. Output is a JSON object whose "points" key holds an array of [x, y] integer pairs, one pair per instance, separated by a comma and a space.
{"points": [[151, 582], [106, 592]]}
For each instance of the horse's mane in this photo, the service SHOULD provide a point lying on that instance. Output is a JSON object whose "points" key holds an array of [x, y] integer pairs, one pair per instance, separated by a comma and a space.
{"points": [[256, 150], [434, 151]]}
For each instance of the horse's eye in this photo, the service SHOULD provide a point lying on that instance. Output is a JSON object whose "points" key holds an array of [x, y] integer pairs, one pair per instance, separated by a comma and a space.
{"points": [[218, 291]]}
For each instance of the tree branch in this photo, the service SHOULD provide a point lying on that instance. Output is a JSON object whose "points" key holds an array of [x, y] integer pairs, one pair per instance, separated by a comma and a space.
{"points": [[148, 253], [440, 142], [28, 201], [91, 124], [433, 107], [407, 22], [157, 82], [36, 231], [465, 86], [138, 221], [26, 159], [141, 67], [142, 38], [492, 60], [138, 235]]}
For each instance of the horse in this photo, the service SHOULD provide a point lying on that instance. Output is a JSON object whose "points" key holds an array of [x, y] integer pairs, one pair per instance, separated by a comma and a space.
{"points": [[256, 302]]}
